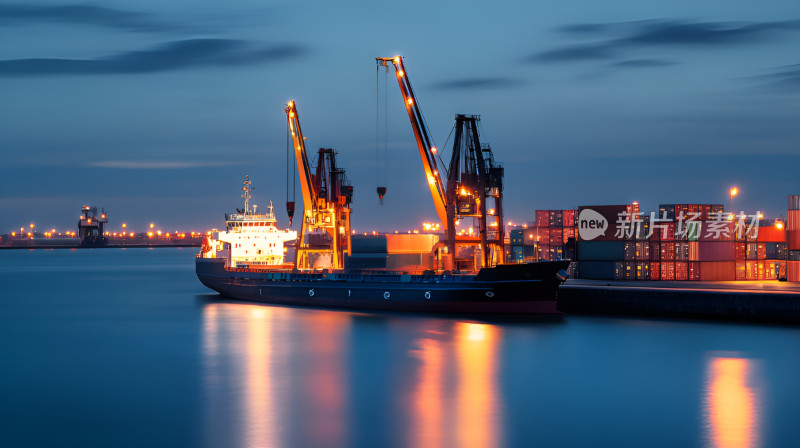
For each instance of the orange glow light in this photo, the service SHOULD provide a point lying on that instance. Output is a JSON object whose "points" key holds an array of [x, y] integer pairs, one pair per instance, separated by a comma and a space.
{"points": [[779, 225], [734, 191], [732, 403], [124, 225]]}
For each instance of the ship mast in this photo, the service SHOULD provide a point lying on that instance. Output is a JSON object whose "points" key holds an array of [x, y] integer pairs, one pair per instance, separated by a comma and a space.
{"points": [[246, 194]]}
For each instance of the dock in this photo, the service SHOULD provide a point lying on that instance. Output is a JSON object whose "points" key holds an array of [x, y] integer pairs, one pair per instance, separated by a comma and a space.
{"points": [[732, 300]]}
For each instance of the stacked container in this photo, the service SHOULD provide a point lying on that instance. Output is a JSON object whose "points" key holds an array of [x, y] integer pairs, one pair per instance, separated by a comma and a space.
{"points": [[793, 239]]}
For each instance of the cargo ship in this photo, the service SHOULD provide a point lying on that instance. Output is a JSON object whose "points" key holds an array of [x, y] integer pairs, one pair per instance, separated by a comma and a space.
{"points": [[460, 272], [246, 261]]}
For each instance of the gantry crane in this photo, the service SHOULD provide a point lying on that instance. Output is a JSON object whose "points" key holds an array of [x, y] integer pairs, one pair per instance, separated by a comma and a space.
{"points": [[468, 186], [325, 229]]}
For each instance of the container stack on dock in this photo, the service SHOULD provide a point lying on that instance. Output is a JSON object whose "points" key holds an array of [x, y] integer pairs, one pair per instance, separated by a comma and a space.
{"points": [[711, 246], [793, 239], [551, 238]]}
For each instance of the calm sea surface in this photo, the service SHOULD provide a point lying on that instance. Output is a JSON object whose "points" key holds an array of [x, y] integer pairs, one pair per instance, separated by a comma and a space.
{"points": [[111, 347]]}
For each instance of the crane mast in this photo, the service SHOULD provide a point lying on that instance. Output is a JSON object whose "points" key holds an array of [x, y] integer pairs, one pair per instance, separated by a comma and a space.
{"points": [[325, 233]]}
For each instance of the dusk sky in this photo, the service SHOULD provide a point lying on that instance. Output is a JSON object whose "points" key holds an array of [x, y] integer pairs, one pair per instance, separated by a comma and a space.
{"points": [[157, 110]]}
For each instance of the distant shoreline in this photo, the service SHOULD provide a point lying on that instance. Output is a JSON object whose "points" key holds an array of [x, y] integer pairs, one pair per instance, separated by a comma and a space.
{"points": [[109, 246]]}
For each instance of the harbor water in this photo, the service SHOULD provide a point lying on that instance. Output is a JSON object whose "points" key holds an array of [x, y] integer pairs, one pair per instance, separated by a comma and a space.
{"points": [[125, 348]]}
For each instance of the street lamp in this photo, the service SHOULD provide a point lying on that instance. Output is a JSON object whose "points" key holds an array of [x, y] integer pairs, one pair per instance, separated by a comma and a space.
{"points": [[734, 191]]}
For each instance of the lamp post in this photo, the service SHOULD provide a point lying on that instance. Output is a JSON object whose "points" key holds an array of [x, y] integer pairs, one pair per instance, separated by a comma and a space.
{"points": [[734, 191]]}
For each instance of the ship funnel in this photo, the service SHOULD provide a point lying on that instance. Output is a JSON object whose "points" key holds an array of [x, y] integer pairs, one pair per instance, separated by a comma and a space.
{"points": [[290, 211]]}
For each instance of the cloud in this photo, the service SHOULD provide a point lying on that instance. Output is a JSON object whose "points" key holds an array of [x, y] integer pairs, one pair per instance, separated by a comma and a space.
{"points": [[157, 164], [616, 38], [83, 15], [786, 78], [479, 83], [642, 63], [575, 53], [172, 56]]}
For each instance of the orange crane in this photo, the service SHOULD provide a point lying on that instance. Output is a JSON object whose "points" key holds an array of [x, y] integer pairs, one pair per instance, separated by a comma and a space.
{"points": [[325, 229], [468, 188]]}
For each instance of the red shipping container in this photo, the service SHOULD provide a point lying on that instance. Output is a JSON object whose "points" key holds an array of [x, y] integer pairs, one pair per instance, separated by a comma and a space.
{"points": [[694, 271], [556, 236], [740, 251], [717, 231], [569, 218], [717, 251], [741, 270], [667, 251], [694, 251], [793, 239], [793, 271], [655, 270], [668, 271], [793, 223], [681, 270], [711, 271], [771, 234], [542, 217]]}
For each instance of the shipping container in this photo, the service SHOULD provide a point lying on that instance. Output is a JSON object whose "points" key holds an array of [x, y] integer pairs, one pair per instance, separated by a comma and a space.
{"points": [[410, 243], [516, 236], [368, 244], [681, 250], [601, 250], [794, 202], [655, 270], [717, 231], [771, 234], [630, 270], [775, 251], [741, 270], [556, 218], [717, 271], [694, 251], [794, 255], [556, 236], [793, 271], [642, 270], [542, 218], [681, 270], [793, 221], [774, 270], [655, 251], [601, 270], [694, 270], [569, 218], [717, 250], [793, 238], [740, 251], [667, 251], [668, 270]]}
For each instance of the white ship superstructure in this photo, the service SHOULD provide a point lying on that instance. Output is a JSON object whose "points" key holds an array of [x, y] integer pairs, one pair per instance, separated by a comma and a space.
{"points": [[250, 239]]}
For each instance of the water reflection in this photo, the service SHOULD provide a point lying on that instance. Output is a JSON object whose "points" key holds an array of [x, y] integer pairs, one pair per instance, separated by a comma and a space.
{"points": [[260, 392], [456, 397], [476, 346], [276, 376], [732, 403]]}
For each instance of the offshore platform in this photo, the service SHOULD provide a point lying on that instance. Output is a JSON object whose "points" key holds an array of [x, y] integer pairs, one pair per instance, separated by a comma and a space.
{"points": [[91, 227]]}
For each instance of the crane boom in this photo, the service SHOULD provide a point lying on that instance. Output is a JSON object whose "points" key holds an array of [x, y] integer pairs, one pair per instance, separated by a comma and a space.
{"points": [[309, 195], [427, 150]]}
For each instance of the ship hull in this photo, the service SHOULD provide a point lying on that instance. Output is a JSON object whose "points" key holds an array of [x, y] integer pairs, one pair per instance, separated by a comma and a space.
{"points": [[509, 289]]}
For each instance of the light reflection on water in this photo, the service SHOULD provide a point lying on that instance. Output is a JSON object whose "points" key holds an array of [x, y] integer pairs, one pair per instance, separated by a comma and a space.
{"points": [[732, 402], [252, 373]]}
